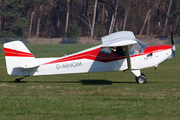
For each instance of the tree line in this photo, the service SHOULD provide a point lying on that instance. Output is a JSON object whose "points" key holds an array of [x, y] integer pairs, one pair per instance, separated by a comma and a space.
{"points": [[92, 18]]}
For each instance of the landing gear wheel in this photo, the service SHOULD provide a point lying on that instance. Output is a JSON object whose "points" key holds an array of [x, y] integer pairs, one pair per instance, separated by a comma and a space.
{"points": [[17, 80], [141, 79], [143, 75]]}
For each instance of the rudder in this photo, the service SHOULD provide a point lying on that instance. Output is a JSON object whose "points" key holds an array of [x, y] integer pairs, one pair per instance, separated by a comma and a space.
{"points": [[18, 57]]}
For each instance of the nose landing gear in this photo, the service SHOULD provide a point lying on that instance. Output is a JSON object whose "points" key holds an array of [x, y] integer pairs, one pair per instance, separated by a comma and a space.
{"points": [[141, 79]]}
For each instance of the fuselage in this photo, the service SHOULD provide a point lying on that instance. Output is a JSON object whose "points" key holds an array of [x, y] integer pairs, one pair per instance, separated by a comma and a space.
{"points": [[98, 59]]}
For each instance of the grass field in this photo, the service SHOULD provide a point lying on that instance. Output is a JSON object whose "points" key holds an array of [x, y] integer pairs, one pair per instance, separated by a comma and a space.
{"points": [[97, 96]]}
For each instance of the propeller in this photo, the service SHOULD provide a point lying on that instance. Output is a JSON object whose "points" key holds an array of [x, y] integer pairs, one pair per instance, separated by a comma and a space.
{"points": [[173, 46]]}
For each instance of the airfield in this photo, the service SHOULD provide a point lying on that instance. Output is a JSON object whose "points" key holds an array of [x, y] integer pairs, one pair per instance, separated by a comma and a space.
{"points": [[96, 96]]}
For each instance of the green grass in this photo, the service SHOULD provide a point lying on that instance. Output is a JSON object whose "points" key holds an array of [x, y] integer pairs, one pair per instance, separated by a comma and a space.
{"points": [[102, 95]]}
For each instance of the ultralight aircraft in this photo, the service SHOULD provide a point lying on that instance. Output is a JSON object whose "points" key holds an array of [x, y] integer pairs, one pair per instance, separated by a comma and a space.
{"points": [[119, 51]]}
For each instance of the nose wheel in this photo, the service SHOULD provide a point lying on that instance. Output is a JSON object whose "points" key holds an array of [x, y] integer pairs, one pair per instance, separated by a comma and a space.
{"points": [[141, 79]]}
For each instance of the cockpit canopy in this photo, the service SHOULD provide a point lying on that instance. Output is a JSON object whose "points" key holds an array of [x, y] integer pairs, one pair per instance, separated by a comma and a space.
{"points": [[134, 49], [137, 48]]}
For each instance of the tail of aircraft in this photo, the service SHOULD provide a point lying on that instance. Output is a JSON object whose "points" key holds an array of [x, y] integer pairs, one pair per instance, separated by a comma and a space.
{"points": [[18, 58]]}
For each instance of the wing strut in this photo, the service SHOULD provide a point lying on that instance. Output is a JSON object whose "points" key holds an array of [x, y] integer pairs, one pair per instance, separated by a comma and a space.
{"points": [[136, 72], [128, 57]]}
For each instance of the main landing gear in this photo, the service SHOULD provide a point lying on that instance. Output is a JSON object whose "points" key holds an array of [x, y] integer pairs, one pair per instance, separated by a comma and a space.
{"points": [[17, 80], [141, 79]]}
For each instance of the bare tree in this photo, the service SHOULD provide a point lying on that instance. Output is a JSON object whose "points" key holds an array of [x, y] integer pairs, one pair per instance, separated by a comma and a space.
{"points": [[115, 14], [176, 23], [126, 15], [87, 20], [32, 17], [104, 15], [158, 4], [103, 12], [39, 19], [164, 31], [94, 17], [67, 16], [87, 3], [147, 32], [0, 11], [148, 13], [82, 11]]}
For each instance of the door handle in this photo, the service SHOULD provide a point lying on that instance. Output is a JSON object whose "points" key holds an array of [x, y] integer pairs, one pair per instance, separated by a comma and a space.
{"points": [[150, 55]]}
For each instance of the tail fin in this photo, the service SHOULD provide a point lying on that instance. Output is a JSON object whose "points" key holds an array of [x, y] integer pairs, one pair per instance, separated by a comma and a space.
{"points": [[17, 57]]}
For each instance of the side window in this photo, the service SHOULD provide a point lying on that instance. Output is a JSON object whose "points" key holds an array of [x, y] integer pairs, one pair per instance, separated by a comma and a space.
{"points": [[105, 50]]}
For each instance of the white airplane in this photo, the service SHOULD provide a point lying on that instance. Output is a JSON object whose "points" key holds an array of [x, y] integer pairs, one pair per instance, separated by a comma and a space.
{"points": [[119, 51]]}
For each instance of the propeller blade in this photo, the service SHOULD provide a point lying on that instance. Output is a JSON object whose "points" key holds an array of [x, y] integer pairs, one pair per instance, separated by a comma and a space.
{"points": [[175, 57], [173, 46]]}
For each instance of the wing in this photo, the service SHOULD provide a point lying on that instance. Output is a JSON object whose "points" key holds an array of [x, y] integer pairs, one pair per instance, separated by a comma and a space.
{"points": [[123, 38]]}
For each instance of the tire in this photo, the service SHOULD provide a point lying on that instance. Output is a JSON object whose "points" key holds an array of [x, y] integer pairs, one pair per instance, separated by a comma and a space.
{"points": [[141, 79], [143, 75]]}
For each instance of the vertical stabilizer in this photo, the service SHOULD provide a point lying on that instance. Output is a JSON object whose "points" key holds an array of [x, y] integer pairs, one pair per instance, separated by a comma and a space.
{"points": [[18, 57]]}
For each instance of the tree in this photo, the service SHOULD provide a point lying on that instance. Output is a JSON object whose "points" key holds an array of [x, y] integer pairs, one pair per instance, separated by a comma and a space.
{"points": [[67, 16], [115, 14], [82, 13], [94, 17], [158, 11], [147, 32], [176, 14], [72, 34], [147, 16], [39, 19], [56, 16], [126, 14], [0, 15], [164, 31], [103, 16], [15, 22], [32, 17]]}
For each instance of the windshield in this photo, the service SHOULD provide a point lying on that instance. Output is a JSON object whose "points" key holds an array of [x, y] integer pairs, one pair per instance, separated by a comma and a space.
{"points": [[137, 48]]}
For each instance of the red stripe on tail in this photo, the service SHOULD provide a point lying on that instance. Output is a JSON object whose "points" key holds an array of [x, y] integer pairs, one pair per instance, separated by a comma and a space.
{"points": [[16, 53]]}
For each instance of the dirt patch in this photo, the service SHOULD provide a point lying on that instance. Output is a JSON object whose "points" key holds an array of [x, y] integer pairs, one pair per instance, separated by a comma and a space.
{"points": [[5, 85], [44, 40]]}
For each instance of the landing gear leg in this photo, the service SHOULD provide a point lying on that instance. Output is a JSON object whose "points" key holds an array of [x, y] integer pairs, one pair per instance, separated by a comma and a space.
{"points": [[141, 79]]}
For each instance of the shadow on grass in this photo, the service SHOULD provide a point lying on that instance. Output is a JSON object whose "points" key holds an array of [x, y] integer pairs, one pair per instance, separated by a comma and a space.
{"points": [[96, 82], [83, 82], [40, 82], [102, 82]]}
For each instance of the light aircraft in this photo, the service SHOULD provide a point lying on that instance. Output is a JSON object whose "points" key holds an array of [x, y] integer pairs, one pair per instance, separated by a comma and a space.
{"points": [[119, 51]]}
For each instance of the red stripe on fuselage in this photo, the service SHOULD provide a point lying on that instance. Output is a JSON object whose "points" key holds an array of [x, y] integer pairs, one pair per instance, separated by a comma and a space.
{"points": [[91, 55], [86, 55], [16, 53], [103, 57], [156, 48]]}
